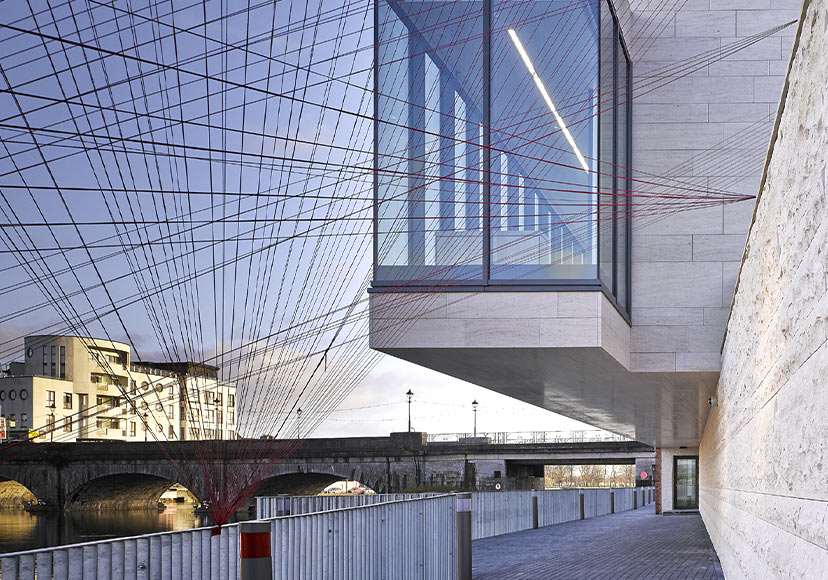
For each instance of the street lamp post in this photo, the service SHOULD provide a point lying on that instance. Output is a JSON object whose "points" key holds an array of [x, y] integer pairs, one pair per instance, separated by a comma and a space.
{"points": [[298, 423], [409, 394], [474, 407]]}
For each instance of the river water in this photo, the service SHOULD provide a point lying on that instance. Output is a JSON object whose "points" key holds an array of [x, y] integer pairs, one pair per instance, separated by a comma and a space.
{"points": [[21, 530]]}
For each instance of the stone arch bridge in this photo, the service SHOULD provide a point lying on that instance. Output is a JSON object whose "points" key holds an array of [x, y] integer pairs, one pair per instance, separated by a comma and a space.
{"points": [[104, 475]]}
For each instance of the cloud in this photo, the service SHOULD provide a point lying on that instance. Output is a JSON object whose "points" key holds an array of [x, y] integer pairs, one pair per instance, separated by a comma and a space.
{"points": [[441, 404]]}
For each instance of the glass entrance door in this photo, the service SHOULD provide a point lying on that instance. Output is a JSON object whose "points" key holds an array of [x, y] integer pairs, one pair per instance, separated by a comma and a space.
{"points": [[686, 477]]}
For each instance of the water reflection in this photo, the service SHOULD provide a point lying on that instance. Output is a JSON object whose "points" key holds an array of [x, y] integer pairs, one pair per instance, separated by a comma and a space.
{"points": [[21, 530]]}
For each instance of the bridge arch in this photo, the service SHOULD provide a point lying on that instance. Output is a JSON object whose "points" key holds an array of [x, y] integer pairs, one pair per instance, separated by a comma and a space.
{"points": [[120, 491], [14, 494]]}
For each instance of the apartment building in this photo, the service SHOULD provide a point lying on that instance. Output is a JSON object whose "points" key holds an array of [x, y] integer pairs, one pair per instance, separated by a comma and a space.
{"points": [[71, 388]]}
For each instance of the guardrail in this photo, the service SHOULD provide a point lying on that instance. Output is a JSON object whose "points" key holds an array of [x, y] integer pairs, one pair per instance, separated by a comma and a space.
{"points": [[399, 536], [409, 539], [497, 513], [275, 506], [186, 555], [518, 437]]}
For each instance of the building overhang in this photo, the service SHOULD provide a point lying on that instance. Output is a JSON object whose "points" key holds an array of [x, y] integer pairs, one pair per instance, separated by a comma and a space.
{"points": [[567, 352]]}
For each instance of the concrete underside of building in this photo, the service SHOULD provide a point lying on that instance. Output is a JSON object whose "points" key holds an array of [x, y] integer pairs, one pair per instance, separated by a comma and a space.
{"points": [[761, 351]]}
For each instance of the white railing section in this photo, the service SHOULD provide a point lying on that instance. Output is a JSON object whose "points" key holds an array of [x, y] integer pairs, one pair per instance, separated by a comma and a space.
{"points": [[410, 539], [557, 506], [399, 536], [496, 513], [186, 555], [267, 506], [531, 437]]}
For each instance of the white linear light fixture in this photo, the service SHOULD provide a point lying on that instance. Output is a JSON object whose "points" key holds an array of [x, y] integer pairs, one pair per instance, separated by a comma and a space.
{"points": [[539, 83]]}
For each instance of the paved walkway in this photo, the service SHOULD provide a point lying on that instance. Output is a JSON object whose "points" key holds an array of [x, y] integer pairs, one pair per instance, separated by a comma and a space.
{"points": [[635, 545]]}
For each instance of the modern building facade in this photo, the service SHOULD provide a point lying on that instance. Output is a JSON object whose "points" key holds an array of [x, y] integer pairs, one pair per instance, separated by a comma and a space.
{"points": [[521, 239], [72, 388]]}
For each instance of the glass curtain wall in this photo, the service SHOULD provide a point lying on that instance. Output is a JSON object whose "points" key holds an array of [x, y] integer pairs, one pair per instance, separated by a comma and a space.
{"points": [[501, 145]]}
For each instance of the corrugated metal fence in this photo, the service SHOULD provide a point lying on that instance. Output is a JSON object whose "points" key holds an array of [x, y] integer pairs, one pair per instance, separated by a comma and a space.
{"points": [[404, 537], [496, 513], [410, 539], [268, 506]]}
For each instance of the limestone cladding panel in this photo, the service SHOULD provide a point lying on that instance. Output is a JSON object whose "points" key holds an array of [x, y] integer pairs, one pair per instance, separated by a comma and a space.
{"points": [[709, 129], [764, 458]]}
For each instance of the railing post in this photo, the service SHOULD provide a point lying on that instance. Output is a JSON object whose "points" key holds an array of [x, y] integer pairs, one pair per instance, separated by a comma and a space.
{"points": [[254, 542], [612, 501], [534, 509], [580, 504], [282, 505], [464, 536]]}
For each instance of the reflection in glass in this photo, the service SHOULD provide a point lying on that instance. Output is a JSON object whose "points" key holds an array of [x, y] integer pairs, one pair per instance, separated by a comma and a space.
{"points": [[687, 483], [502, 144]]}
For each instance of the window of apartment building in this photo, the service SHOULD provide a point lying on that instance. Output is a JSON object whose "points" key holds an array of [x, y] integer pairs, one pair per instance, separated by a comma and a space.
{"points": [[170, 411], [50, 399], [231, 417], [94, 379], [63, 362], [159, 428], [159, 387], [159, 407], [12, 421], [132, 428], [195, 433], [54, 361], [67, 400], [133, 388], [24, 418], [67, 425], [144, 386], [45, 360], [171, 432], [231, 400], [144, 405], [219, 416]]}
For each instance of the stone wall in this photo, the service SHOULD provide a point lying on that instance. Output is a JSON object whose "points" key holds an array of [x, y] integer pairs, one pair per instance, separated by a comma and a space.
{"points": [[764, 453]]}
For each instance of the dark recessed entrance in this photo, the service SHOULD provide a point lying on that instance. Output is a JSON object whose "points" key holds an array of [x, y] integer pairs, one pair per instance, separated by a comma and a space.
{"points": [[686, 486]]}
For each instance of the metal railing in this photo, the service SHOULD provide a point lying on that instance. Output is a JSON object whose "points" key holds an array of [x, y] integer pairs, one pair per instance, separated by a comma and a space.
{"points": [[413, 538], [518, 437], [410, 539], [269, 506]]}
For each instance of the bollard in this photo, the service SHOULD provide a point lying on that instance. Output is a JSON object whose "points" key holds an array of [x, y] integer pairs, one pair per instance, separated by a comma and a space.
{"points": [[581, 505], [464, 536], [612, 502], [635, 499], [254, 548], [282, 505], [534, 509]]}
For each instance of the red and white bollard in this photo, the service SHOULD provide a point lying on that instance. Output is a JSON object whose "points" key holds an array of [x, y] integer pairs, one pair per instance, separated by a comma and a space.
{"points": [[254, 547]]}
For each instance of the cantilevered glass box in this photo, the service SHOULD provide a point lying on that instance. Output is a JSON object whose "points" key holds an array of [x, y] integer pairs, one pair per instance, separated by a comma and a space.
{"points": [[502, 147]]}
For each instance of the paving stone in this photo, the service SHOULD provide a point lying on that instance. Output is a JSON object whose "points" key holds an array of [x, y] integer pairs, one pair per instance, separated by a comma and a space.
{"points": [[636, 544]]}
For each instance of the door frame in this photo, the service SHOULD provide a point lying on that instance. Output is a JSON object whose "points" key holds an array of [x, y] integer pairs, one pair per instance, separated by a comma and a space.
{"points": [[675, 480]]}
